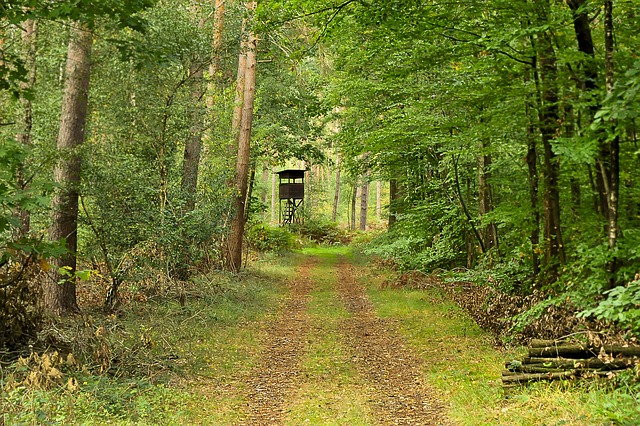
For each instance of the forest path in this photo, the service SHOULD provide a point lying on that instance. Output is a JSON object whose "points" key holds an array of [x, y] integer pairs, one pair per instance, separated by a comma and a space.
{"points": [[328, 358]]}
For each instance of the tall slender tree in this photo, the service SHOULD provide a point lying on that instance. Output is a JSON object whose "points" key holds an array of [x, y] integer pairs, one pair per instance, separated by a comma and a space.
{"points": [[193, 145], [25, 122], [549, 119], [364, 202], [236, 234], [60, 289]]}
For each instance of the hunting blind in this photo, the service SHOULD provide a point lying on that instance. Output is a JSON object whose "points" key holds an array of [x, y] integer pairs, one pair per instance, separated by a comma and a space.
{"points": [[291, 196]]}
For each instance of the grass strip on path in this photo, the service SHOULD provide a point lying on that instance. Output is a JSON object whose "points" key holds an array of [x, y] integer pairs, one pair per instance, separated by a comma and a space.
{"points": [[399, 393], [331, 391], [273, 379]]}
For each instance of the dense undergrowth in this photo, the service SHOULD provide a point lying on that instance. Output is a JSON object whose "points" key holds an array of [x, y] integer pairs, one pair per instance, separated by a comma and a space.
{"points": [[171, 343], [505, 300], [127, 367]]}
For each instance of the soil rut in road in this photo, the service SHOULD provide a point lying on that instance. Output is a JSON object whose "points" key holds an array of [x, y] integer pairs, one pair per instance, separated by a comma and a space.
{"points": [[399, 392], [271, 382], [391, 374]]}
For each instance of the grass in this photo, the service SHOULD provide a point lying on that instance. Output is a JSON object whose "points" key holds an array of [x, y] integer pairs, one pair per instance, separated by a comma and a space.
{"points": [[172, 358], [182, 365], [331, 393], [465, 368]]}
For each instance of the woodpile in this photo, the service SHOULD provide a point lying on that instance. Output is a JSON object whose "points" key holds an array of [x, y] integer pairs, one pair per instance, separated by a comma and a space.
{"points": [[553, 360]]}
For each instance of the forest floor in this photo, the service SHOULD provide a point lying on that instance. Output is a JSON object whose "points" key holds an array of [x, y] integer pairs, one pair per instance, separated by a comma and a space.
{"points": [[313, 338]]}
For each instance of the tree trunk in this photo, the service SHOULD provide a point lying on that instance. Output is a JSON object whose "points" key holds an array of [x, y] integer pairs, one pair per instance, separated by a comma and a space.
{"points": [[250, 186], [25, 123], [354, 196], [394, 196], [336, 196], [554, 253], [364, 202], [378, 200], [60, 291], [532, 165], [310, 187], [582, 28], [264, 193], [234, 242], [614, 159], [274, 197], [485, 204], [214, 68], [193, 146], [240, 84]]}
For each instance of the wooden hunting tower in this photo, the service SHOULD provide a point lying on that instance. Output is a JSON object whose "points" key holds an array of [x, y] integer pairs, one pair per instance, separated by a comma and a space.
{"points": [[291, 196]]}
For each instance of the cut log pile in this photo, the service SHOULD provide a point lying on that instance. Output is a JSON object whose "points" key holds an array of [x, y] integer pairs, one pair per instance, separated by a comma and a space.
{"points": [[553, 360]]}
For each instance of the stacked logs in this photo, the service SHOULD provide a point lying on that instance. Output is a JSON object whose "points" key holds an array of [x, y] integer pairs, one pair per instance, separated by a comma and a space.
{"points": [[553, 360]]}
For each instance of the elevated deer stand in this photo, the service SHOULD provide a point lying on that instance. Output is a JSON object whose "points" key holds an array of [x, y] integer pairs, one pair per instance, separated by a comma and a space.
{"points": [[291, 196]]}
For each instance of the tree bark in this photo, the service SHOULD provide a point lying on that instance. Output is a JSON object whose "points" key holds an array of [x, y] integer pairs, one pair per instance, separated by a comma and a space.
{"points": [[240, 84], [614, 162], [554, 253], [214, 68], [193, 146], [354, 196], [378, 200], [265, 183], [364, 202], [60, 291], [336, 195], [234, 242], [582, 28], [25, 123], [485, 204], [614, 159], [532, 165], [274, 197], [394, 196]]}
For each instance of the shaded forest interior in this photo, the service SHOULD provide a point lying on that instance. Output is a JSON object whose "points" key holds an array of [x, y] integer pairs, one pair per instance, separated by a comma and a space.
{"points": [[489, 145]]}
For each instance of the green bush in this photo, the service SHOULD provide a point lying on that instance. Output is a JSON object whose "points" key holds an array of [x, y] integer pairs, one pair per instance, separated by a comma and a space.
{"points": [[266, 238], [621, 306], [321, 232]]}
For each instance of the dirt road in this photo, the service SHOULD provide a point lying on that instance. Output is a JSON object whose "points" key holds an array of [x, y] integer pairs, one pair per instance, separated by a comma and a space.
{"points": [[390, 375]]}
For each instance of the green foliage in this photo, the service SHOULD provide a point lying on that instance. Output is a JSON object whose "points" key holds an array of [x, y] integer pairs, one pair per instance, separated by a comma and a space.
{"points": [[12, 156], [621, 306], [125, 13], [623, 103], [265, 238], [320, 232], [619, 401], [399, 250], [21, 256]]}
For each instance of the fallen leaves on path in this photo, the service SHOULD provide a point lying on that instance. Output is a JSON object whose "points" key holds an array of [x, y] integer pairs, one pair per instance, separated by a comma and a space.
{"points": [[392, 373], [399, 393], [273, 378]]}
